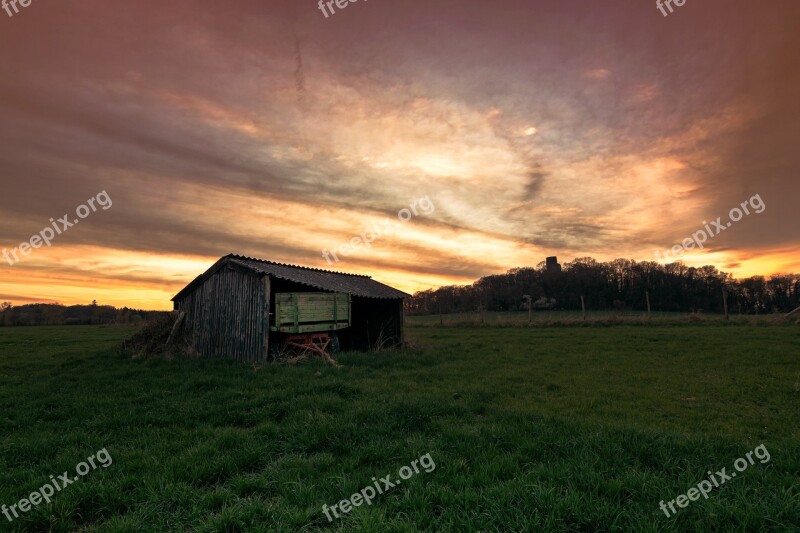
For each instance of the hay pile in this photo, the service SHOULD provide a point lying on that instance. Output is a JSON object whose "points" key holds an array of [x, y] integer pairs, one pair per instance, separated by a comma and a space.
{"points": [[151, 340]]}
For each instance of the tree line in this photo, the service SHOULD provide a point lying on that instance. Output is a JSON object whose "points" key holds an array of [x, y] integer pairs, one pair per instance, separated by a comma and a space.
{"points": [[620, 284], [59, 315]]}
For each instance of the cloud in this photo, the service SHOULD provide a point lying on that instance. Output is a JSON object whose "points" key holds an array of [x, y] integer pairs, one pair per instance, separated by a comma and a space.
{"points": [[267, 129]]}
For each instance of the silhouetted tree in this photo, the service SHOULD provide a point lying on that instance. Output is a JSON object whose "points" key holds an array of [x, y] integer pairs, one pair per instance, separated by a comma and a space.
{"points": [[619, 284]]}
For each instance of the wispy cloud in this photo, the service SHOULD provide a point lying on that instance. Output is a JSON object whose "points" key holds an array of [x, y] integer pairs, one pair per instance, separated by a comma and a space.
{"points": [[271, 132]]}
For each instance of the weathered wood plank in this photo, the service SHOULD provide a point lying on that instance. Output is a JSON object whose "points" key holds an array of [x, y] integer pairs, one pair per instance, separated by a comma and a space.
{"points": [[309, 312]]}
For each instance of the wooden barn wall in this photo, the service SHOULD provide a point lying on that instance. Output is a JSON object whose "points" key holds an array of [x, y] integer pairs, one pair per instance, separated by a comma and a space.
{"points": [[225, 316]]}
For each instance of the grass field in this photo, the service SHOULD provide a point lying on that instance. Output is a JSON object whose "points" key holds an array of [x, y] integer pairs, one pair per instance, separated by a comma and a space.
{"points": [[540, 429]]}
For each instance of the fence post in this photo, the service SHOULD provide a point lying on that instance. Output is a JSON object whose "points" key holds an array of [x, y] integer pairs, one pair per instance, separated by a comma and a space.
{"points": [[725, 303], [583, 306]]}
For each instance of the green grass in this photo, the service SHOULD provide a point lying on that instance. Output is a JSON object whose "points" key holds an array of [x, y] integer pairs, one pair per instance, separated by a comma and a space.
{"points": [[542, 429]]}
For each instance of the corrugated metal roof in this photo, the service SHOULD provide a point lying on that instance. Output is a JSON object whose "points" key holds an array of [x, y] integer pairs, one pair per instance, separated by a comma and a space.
{"points": [[357, 285]]}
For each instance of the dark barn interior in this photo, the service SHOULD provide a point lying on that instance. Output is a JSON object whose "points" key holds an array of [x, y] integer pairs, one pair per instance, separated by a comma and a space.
{"points": [[375, 321]]}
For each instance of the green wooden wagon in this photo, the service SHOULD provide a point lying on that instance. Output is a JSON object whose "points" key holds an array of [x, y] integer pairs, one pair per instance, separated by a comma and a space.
{"points": [[311, 319]]}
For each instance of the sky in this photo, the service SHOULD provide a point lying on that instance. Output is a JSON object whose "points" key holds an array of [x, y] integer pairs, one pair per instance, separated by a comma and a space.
{"points": [[476, 136]]}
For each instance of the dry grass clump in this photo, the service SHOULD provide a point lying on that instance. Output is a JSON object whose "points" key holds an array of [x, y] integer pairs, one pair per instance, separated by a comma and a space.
{"points": [[283, 353]]}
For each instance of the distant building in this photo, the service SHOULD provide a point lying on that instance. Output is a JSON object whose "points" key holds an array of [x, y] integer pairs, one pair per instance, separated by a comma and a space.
{"points": [[552, 264], [238, 308], [544, 303]]}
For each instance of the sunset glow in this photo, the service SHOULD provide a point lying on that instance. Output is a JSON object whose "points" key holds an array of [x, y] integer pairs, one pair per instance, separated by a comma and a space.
{"points": [[273, 132]]}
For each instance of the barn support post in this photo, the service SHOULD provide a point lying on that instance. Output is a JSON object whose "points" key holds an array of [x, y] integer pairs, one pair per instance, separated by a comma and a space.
{"points": [[265, 319], [401, 303]]}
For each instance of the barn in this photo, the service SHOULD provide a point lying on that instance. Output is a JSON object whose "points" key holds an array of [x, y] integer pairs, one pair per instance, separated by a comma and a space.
{"points": [[244, 308]]}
